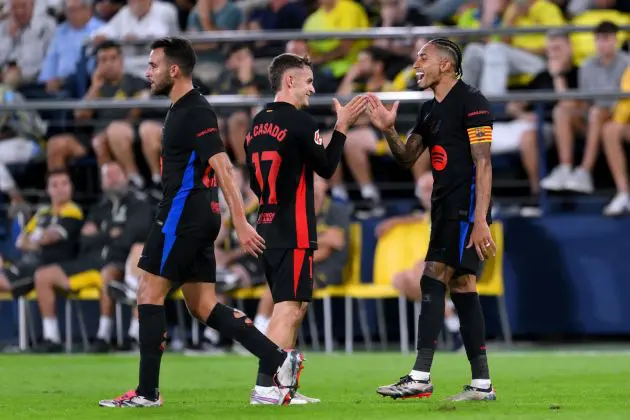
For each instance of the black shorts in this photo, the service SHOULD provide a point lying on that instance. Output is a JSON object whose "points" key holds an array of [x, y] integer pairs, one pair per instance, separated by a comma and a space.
{"points": [[449, 238], [21, 277], [83, 264], [289, 273], [180, 259]]}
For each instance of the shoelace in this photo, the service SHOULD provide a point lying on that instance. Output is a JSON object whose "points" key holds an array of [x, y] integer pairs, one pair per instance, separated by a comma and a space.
{"points": [[404, 380]]}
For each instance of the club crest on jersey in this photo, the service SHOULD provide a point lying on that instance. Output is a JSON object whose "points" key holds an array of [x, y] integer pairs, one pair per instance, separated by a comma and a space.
{"points": [[318, 140]]}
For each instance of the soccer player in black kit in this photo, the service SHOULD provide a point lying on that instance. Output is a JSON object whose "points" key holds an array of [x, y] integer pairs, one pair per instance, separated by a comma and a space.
{"points": [[179, 249], [284, 149], [456, 127]]}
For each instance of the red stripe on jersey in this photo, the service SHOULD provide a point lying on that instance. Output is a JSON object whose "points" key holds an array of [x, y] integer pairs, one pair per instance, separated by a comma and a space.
{"points": [[298, 262], [301, 222]]}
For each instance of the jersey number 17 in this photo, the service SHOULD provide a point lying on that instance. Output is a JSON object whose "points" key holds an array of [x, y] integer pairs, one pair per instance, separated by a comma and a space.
{"points": [[268, 175]]}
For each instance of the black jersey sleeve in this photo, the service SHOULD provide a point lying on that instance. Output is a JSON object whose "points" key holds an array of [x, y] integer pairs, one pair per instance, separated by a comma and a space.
{"points": [[323, 160], [204, 130], [477, 111], [478, 118]]}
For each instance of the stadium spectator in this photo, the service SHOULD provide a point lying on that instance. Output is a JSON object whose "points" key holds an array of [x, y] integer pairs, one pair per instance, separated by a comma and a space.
{"points": [[366, 75], [322, 82], [278, 15], [584, 42], [238, 78], [335, 57], [50, 236], [615, 132], [407, 281], [139, 20], [114, 130], [489, 66], [120, 220], [396, 14], [105, 10], [577, 7], [333, 225], [18, 131], [24, 38], [520, 133], [438, 10], [65, 48], [600, 73], [208, 16]]}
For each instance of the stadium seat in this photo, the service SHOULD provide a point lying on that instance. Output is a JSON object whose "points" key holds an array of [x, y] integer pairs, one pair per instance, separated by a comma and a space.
{"points": [[91, 278], [380, 289]]}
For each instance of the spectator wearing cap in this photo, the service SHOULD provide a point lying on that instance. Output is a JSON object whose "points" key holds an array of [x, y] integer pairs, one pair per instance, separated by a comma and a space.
{"points": [[601, 73]]}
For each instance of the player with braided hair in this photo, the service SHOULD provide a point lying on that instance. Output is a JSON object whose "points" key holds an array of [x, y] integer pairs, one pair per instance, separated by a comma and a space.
{"points": [[456, 127]]}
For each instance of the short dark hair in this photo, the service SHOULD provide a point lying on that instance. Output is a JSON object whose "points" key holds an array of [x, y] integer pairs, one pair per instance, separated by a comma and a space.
{"points": [[108, 45], [236, 47], [56, 172], [607, 27], [452, 49], [378, 54], [179, 51], [281, 64]]}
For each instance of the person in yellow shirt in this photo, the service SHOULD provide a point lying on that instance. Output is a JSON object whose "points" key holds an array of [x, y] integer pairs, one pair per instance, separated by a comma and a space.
{"points": [[488, 66], [615, 132], [336, 56]]}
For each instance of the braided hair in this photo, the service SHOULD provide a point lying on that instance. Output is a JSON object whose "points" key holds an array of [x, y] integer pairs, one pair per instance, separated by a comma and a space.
{"points": [[452, 49]]}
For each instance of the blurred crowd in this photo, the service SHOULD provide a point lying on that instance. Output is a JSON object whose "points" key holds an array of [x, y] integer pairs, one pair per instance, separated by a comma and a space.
{"points": [[88, 49]]}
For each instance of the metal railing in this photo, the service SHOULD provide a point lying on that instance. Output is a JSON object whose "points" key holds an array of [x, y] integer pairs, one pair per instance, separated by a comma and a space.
{"points": [[373, 33], [232, 101]]}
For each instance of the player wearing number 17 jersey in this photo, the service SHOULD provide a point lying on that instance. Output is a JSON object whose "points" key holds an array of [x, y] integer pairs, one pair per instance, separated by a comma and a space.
{"points": [[179, 249], [284, 149]]}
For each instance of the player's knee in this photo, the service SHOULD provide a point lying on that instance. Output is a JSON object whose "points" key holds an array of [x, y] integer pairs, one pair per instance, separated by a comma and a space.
{"points": [[438, 271], [289, 312], [463, 284], [149, 293]]}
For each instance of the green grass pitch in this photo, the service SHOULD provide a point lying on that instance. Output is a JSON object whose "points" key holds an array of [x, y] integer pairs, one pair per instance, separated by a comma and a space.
{"points": [[530, 385]]}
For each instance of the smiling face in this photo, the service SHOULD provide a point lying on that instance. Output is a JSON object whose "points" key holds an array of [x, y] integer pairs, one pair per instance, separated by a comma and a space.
{"points": [[299, 84], [427, 66]]}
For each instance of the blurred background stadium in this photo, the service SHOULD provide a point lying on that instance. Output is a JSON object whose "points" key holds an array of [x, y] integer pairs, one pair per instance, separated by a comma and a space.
{"points": [[73, 97]]}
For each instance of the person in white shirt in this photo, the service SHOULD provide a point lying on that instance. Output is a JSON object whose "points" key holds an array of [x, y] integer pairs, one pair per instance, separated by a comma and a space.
{"points": [[140, 19]]}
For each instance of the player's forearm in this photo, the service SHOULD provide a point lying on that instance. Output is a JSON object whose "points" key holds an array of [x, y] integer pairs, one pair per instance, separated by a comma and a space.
{"points": [[334, 152], [405, 153], [483, 188], [225, 178]]}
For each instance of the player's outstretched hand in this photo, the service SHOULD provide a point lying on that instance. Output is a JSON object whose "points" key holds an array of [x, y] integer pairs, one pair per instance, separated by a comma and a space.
{"points": [[250, 240], [482, 240], [348, 114], [381, 117]]}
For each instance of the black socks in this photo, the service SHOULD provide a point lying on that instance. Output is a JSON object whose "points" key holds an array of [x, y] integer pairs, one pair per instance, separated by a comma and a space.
{"points": [[236, 325], [152, 344], [430, 321], [473, 330]]}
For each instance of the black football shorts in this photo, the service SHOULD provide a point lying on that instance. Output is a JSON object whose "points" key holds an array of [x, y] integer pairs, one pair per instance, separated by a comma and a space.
{"points": [[179, 259], [449, 238], [289, 273]]}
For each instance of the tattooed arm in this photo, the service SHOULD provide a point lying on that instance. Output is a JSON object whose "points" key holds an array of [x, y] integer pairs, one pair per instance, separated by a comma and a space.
{"points": [[483, 179], [405, 153], [384, 119]]}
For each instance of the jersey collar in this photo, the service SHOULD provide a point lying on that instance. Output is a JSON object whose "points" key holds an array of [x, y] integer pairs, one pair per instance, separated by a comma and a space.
{"points": [[279, 105]]}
